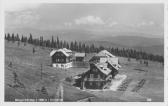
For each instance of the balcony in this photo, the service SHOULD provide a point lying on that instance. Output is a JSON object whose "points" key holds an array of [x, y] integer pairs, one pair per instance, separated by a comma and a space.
{"points": [[93, 79]]}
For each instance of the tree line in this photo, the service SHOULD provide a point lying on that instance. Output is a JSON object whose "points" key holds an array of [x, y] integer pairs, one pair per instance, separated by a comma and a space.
{"points": [[82, 47]]}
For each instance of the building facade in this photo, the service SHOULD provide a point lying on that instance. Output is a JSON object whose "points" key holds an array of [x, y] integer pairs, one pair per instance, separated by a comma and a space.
{"points": [[104, 56], [79, 57], [61, 58], [98, 77], [101, 72]]}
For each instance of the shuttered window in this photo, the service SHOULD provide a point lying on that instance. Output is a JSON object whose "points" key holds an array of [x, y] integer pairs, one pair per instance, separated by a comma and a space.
{"points": [[91, 75], [91, 83], [98, 76]]}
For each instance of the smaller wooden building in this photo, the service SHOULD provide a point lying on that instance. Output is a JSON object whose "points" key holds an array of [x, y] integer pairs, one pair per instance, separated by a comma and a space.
{"points": [[79, 57]]}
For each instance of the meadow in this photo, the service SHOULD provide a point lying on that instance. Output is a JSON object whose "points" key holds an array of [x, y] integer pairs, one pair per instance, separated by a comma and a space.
{"points": [[26, 73]]}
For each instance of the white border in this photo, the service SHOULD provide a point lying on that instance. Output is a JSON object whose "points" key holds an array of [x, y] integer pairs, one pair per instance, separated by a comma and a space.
{"points": [[85, 1]]}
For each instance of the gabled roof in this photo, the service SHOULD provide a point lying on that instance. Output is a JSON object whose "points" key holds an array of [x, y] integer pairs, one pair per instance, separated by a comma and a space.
{"points": [[103, 68], [79, 54], [116, 66], [67, 50], [64, 51], [94, 58], [105, 53], [52, 52]]}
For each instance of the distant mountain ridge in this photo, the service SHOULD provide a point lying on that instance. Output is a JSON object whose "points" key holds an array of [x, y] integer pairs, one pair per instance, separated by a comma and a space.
{"points": [[133, 41], [121, 40]]}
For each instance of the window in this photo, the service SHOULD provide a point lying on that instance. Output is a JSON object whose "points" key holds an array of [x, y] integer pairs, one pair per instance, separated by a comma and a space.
{"points": [[91, 83], [94, 69], [67, 60], [91, 75], [95, 75], [98, 76], [98, 84], [62, 65]]}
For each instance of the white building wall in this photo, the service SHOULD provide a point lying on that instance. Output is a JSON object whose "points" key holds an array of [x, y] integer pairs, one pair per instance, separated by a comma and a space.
{"points": [[113, 60], [62, 65], [103, 60]]}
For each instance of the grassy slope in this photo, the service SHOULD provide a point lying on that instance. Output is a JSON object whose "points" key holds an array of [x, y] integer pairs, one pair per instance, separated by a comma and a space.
{"points": [[153, 87], [27, 67]]}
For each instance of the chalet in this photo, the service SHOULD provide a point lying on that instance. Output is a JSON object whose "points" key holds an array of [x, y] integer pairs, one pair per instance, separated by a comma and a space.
{"points": [[99, 75], [61, 58], [103, 56], [103, 68], [79, 56]]}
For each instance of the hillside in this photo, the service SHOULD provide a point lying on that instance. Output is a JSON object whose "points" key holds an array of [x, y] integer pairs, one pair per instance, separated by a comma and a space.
{"points": [[27, 66], [156, 49]]}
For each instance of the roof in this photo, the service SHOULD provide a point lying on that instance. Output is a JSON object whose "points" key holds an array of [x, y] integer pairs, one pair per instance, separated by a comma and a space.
{"points": [[64, 51], [105, 53], [116, 66], [79, 54], [52, 52], [67, 50], [94, 58], [103, 68]]}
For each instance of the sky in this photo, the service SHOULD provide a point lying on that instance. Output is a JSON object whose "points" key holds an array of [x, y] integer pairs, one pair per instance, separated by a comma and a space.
{"points": [[97, 18]]}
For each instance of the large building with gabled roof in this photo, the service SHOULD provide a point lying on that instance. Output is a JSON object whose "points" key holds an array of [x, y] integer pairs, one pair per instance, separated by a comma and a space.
{"points": [[99, 76], [102, 70]]}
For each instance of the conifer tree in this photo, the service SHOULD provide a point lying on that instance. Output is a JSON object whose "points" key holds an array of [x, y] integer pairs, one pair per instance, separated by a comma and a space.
{"points": [[30, 40]]}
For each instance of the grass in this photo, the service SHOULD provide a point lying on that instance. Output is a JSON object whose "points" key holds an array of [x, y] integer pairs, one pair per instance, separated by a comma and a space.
{"points": [[28, 68], [139, 85], [152, 88], [124, 85]]}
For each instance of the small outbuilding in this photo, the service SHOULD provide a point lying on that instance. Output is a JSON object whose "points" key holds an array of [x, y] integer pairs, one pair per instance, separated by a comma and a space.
{"points": [[79, 56]]}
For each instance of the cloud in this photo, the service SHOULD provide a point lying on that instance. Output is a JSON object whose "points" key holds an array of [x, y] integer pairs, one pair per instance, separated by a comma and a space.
{"points": [[89, 20], [22, 18], [27, 18], [144, 23], [113, 23], [12, 6], [68, 24]]}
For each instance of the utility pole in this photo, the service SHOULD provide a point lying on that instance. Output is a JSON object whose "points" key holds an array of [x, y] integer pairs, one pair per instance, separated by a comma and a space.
{"points": [[60, 92], [41, 71]]}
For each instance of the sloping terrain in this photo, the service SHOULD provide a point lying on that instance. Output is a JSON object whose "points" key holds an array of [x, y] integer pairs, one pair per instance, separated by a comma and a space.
{"points": [[23, 78], [23, 74], [143, 83]]}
